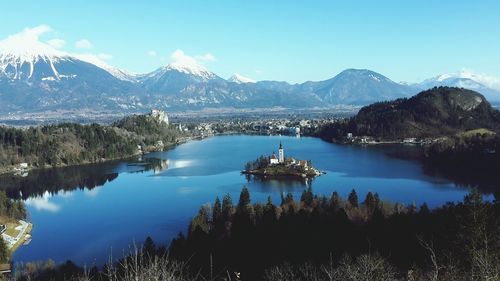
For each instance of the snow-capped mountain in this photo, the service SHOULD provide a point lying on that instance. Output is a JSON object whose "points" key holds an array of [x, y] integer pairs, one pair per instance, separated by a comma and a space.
{"points": [[34, 76], [240, 79], [461, 80], [115, 71], [37, 77]]}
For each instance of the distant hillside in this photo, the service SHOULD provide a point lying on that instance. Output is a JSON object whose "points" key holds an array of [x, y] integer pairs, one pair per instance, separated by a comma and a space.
{"points": [[436, 112], [71, 144]]}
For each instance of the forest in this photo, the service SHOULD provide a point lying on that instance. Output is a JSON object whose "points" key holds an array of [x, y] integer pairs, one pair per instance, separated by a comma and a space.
{"points": [[70, 144], [437, 112], [314, 238], [10, 210]]}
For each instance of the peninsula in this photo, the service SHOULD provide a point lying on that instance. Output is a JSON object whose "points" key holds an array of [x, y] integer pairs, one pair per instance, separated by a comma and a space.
{"points": [[279, 166]]}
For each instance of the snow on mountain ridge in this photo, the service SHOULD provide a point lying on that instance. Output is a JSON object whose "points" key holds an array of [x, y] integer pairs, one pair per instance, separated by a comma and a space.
{"points": [[240, 79], [193, 69], [25, 48]]}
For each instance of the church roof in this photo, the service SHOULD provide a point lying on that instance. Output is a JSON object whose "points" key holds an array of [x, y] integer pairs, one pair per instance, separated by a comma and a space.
{"points": [[273, 156]]}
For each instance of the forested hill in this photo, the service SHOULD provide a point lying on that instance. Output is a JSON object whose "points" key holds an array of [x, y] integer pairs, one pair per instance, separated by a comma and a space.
{"points": [[69, 144], [436, 112]]}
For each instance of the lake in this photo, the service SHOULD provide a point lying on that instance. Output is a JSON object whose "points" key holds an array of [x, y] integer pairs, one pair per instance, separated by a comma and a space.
{"points": [[88, 212]]}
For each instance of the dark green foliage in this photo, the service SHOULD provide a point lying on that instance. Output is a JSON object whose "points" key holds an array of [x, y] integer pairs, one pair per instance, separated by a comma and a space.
{"points": [[307, 197], [149, 128], [217, 211], [320, 244], [4, 252], [69, 143], [436, 112], [335, 201], [467, 159], [353, 199], [260, 163], [298, 233], [227, 207], [13, 209], [244, 198]]}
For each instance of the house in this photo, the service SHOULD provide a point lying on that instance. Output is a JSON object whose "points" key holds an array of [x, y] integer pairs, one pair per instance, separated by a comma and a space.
{"points": [[303, 164], [273, 160]]}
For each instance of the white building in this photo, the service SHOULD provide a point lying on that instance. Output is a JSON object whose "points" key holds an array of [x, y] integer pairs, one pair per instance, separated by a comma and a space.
{"points": [[273, 160]]}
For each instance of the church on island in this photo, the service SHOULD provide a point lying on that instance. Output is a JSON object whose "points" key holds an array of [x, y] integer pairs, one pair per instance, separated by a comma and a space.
{"points": [[281, 156], [273, 160], [279, 166]]}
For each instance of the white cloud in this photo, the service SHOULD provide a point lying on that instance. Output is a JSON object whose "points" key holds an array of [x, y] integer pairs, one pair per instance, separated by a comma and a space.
{"points": [[206, 57], [27, 42], [104, 56], [43, 204], [92, 192], [84, 44], [179, 58], [56, 43], [485, 79], [152, 53], [37, 31]]}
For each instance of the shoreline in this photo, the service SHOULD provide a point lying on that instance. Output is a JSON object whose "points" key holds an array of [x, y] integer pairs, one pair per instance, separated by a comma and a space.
{"points": [[10, 170]]}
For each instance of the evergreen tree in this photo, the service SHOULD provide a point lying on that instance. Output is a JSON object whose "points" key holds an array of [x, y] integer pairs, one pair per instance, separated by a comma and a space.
{"points": [[307, 197], [335, 201], [353, 199], [227, 207], [217, 212], [289, 198], [244, 198], [4, 252], [370, 203]]}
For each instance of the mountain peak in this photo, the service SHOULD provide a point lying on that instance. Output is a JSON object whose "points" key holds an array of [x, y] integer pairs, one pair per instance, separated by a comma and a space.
{"points": [[240, 79], [26, 47], [190, 68]]}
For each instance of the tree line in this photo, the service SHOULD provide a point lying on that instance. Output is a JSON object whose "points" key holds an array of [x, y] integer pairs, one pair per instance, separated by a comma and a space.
{"points": [[315, 238], [71, 143]]}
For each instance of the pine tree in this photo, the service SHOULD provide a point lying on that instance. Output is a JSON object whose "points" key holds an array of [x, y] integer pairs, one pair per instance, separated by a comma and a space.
{"points": [[370, 203], [227, 207], [353, 199], [307, 197], [217, 212], [335, 201], [244, 199]]}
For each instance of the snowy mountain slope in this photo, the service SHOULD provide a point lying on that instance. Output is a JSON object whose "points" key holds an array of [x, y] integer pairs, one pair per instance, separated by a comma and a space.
{"points": [[461, 80], [240, 79]]}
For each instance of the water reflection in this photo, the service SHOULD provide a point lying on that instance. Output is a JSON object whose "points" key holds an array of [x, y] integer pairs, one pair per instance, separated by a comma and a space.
{"points": [[42, 203], [61, 181], [278, 185]]}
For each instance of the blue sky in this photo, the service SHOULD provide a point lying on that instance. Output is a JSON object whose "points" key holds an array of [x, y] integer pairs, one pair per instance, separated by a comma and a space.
{"points": [[293, 41]]}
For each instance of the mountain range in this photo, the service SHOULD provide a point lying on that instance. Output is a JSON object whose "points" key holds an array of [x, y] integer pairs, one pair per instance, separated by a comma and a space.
{"points": [[39, 78]]}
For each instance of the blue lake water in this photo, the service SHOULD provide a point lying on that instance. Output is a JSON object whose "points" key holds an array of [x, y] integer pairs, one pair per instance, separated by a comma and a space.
{"points": [[87, 213]]}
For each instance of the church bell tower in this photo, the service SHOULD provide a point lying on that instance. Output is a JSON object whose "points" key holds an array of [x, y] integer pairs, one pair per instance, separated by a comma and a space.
{"points": [[281, 156]]}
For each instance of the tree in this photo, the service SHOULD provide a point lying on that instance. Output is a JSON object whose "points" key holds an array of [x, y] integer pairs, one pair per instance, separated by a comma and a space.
{"points": [[335, 201], [217, 212], [4, 252], [353, 199], [370, 203], [307, 197], [227, 207], [244, 199]]}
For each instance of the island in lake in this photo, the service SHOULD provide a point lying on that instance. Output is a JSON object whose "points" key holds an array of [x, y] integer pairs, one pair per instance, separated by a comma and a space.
{"points": [[281, 166]]}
